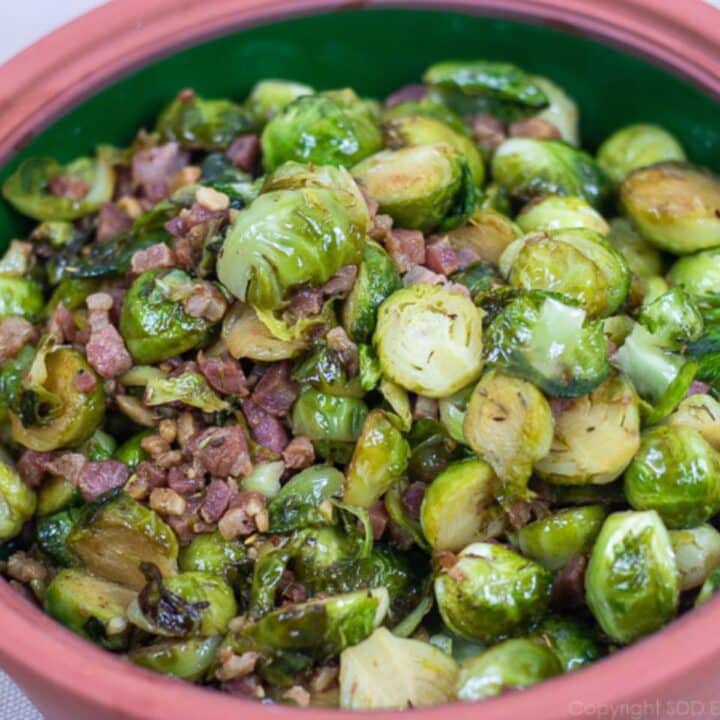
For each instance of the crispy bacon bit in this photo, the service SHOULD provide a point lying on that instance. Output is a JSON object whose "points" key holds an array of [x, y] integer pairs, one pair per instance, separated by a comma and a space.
{"points": [[212, 200], [535, 127], [234, 666], [441, 258], [154, 168], [107, 354], [698, 388], [338, 340], [378, 519], [33, 465], [381, 228], [299, 695], [112, 221], [306, 303], [85, 381], [420, 275], [68, 466], [247, 514], [488, 132], [568, 588], [412, 498], [276, 392], [152, 475], [186, 479], [222, 451], [167, 502], [425, 408], [341, 283], [217, 499], [153, 258], [266, 429], [244, 152], [406, 248], [25, 569], [68, 186], [414, 91], [62, 324], [96, 478], [205, 301], [224, 373], [299, 453], [15, 332], [466, 256]]}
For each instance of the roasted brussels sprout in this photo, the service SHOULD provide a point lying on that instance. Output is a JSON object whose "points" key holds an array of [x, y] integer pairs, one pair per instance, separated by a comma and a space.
{"points": [[528, 168], [576, 262], [510, 425], [673, 206], [389, 672], [709, 588], [425, 108], [28, 189], [327, 129], [510, 665], [702, 413], [698, 275], [677, 474], [51, 412], [571, 639], [131, 452], [212, 553], [190, 388], [429, 340], [153, 322], [269, 97], [697, 553], [459, 506], [323, 368], [596, 436], [184, 659], [20, 297], [56, 494], [265, 478], [542, 339], [561, 211], [643, 259], [17, 500], [379, 460], [562, 111], [631, 583], [673, 319], [290, 237], [552, 541], [200, 124], [427, 187], [637, 146], [12, 373], [487, 233]]}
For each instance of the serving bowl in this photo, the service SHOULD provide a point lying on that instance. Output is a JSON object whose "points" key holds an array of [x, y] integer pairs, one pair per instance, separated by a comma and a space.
{"points": [[131, 56]]}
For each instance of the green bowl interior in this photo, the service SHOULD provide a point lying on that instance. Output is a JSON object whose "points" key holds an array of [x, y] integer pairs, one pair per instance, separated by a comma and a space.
{"points": [[375, 51]]}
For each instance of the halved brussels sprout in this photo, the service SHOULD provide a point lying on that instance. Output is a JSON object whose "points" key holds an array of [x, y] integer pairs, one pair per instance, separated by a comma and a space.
{"points": [[201, 124], [131, 451], [596, 436], [265, 478], [673, 205], [487, 233], [17, 500], [643, 259], [99, 446], [562, 111], [702, 413], [188, 660], [482, 85], [576, 262], [561, 211], [12, 373], [380, 458], [637, 146], [287, 238], [698, 275], [323, 368], [673, 319], [426, 108], [548, 342], [152, 321], [554, 540], [571, 639], [269, 97], [429, 340], [20, 297], [27, 189], [190, 388], [85, 604], [212, 553], [117, 534], [402, 519], [53, 531], [677, 474], [459, 506], [424, 130], [327, 129], [56, 494], [528, 168], [631, 583], [697, 553], [510, 665], [377, 279], [427, 187], [51, 412], [388, 672], [510, 425], [491, 592]]}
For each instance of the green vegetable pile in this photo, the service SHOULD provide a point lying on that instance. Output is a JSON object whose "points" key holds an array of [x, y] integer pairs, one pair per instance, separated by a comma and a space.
{"points": [[325, 401]]}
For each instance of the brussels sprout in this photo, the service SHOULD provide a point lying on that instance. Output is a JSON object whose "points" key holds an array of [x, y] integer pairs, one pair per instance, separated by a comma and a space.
{"points": [[697, 553], [388, 672], [379, 459], [287, 238], [429, 340], [491, 592], [552, 541], [459, 506], [576, 262], [548, 342], [399, 402], [487, 233], [51, 412], [424, 130], [637, 146], [12, 372], [401, 518], [571, 639], [452, 411], [698, 275], [432, 450], [337, 130], [190, 388], [184, 659], [269, 97], [596, 436], [298, 504], [673, 205], [631, 583], [56, 494], [117, 534], [332, 422], [53, 531], [86, 604], [425, 108], [643, 259], [480, 277], [369, 371], [152, 321], [212, 553], [702, 413], [428, 187], [709, 588], [510, 665], [527, 168], [206, 606], [562, 111], [673, 319], [482, 85], [21, 297], [201, 124], [561, 211], [28, 188], [265, 478], [324, 369], [677, 474], [377, 279], [510, 425], [99, 446], [131, 452], [17, 500]]}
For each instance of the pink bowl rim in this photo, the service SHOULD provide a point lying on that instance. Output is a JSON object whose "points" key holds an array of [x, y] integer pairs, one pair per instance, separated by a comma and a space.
{"points": [[60, 70]]}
